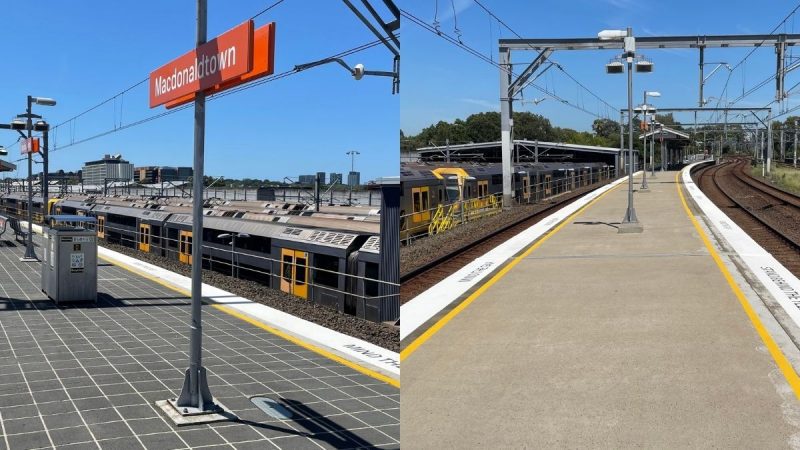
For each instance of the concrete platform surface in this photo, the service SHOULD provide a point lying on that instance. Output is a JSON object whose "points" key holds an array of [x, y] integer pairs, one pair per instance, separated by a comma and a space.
{"points": [[603, 340], [88, 376]]}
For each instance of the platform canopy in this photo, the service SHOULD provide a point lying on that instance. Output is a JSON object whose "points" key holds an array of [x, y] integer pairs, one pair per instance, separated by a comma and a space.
{"points": [[6, 166], [523, 151], [667, 134]]}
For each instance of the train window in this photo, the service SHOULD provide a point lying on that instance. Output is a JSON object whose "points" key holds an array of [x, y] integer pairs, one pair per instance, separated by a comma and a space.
{"points": [[328, 275], [426, 199], [302, 268], [287, 268], [440, 195], [417, 201], [371, 285], [497, 179]]}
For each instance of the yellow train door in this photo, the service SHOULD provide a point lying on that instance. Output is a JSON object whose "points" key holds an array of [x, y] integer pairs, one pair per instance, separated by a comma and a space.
{"points": [[483, 192], [144, 237], [101, 227], [420, 205], [185, 247], [294, 272], [526, 188], [548, 189]]}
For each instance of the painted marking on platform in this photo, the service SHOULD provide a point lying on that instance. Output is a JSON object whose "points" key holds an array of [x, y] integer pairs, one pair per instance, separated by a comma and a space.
{"points": [[777, 355]]}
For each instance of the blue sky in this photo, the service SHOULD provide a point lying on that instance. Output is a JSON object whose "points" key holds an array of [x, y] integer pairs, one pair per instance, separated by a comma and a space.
{"points": [[82, 52], [443, 82]]}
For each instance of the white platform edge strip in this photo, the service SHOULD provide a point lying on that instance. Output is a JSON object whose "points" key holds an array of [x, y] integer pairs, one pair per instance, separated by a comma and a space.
{"points": [[353, 349], [779, 282], [419, 310]]}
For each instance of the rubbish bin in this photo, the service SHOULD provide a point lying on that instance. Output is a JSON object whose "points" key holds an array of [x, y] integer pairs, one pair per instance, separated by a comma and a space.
{"points": [[69, 265]]}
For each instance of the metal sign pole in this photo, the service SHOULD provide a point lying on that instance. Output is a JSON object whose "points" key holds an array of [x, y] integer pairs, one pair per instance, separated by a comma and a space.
{"points": [[195, 396], [30, 254]]}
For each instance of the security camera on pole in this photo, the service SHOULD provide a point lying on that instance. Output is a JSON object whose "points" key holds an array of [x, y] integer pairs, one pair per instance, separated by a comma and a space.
{"points": [[630, 223]]}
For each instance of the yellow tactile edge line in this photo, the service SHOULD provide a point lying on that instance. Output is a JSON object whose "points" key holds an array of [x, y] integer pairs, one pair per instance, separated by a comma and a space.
{"points": [[422, 338], [227, 310], [777, 355]]}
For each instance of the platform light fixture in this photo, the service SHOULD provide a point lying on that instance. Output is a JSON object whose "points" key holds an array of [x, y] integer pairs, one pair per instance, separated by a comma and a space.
{"points": [[3, 151]]}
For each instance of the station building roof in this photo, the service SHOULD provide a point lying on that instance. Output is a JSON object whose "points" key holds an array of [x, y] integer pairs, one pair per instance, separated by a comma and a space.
{"points": [[524, 150], [6, 166], [667, 133]]}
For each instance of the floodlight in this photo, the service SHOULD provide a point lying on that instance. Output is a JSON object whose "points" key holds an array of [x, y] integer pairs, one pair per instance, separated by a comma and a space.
{"points": [[41, 125], [644, 66], [615, 67], [18, 124], [3, 151]]}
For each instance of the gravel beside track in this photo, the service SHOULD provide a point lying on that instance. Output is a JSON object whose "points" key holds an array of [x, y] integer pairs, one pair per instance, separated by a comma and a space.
{"points": [[386, 336]]}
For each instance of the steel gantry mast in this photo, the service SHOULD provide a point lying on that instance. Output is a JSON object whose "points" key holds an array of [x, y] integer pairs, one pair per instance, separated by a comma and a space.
{"points": [[509, 86]]}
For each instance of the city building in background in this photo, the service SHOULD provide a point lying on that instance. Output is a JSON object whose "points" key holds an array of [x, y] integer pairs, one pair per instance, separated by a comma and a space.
{"points": [[306, 179], [335, 178], [354, 178], [110, 167], [159, 174], [321, 176]]}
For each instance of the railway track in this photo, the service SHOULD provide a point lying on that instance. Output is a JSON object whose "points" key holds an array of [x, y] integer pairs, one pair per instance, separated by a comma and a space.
{"points": [[768, 214], [419, 279]]}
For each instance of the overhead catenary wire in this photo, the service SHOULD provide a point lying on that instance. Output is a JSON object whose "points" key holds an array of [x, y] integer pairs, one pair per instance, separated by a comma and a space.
{"points": [[210, 98], [417, 21], [558, 65], [743, 60], [139, 83]]}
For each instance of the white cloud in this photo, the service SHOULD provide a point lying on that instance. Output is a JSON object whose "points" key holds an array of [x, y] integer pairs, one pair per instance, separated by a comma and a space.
{"points": [[494, 106], [446, 9]]}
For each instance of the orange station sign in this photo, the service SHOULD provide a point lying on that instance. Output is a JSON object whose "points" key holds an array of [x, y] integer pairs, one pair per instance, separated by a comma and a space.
{"points": [[29, 145], [233, 58]]}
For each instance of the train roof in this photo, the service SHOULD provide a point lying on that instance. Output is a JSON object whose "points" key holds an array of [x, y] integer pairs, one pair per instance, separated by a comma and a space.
{"points": [[147, 214]]}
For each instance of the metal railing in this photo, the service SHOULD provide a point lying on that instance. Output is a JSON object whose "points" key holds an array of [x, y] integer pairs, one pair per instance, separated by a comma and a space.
{"points": [[446, 216]]}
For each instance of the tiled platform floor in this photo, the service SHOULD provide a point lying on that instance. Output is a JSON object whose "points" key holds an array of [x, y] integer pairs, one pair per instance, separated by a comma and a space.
{"points": [[87, 376]]}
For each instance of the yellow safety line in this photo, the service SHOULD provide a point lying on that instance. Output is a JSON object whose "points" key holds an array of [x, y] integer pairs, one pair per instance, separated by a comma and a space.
{"points": [[777, 355], [414, 345], [265, 327]]}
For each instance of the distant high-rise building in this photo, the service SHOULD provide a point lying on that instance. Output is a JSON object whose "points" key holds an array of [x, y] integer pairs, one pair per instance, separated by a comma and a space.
{"points": [[321, 176], [354, 178], [159, 174], [306, 179], [108, 168], [335, 178]]}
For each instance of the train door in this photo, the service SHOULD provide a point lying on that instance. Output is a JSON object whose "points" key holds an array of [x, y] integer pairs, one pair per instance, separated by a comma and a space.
{"points": [[420, 204], [144, 237], [526, 187], [101, 227], [483, 192], [294, 272], [185, 247], [548, 185]]}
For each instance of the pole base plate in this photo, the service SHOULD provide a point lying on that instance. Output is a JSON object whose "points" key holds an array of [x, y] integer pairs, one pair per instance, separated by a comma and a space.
{"points": [[193, 416], [630, 227], [29, 259]]}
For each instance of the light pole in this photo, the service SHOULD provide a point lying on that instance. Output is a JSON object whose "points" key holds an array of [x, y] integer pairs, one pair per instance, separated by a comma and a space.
{"points": [[30, 254], [233, 236], [352, 154], [645, 109], [630, 223]]}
